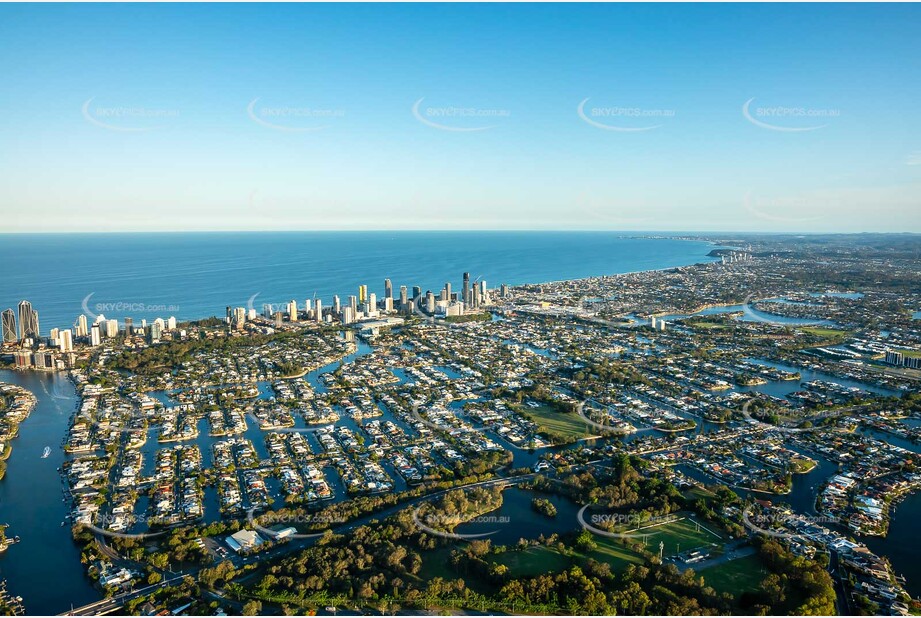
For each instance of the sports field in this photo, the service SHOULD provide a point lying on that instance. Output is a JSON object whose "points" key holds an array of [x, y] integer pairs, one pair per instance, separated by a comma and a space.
{"points": [[738, 576]]}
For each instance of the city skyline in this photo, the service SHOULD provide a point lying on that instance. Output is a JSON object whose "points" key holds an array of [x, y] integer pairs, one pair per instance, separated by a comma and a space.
{"points": [[625, 118]]}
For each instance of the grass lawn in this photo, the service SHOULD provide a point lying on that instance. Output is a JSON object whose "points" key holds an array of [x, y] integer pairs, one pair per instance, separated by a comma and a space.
{"points": [[738, 576], [696, 492], [825, 333], [437, 563], [533, 561], [704, 324], [614, 553], [683, 535], [564, 424]]}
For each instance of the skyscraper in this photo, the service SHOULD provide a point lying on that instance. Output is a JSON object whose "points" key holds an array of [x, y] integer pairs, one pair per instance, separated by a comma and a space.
{"points": [[95, 335], [28, 320], [353, 304], [404, 300], [466, 290], [337, 306], [9, 326], [318, 311], [388, 289], [417, 292], [65, 340], [362, 293], [82, 328], [129, 326], [292, 311], [446, 293], [155, 331]]}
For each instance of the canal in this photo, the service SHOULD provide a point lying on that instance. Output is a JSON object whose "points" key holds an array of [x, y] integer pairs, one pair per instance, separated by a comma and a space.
{"points": [[44, 567]]}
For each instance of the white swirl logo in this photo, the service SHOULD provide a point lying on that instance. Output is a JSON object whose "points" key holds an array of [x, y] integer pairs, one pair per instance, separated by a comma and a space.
{"points": [[580, 411], [785, 112], [640, 522], [278, 535], [620, 112], [106, 520], [102, 116], [270, 117], [450, 112], [766, 318], [783, 520], [434, 517]]}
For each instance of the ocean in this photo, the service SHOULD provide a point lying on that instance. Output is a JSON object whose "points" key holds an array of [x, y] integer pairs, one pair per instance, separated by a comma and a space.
{"points": [[197, 275]]}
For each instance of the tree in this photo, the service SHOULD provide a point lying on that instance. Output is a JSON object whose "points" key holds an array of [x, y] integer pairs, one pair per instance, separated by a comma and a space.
{"points": [[252, 608]]}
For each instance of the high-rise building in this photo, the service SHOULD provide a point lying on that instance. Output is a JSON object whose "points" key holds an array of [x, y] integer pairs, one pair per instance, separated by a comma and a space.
{"points": [[388, 303], [66, 341], [82, 328], [388, 289], [156, 330], [372, 302], [9, 326], [353, 304], [404, 297], [337, 306], [430, 302], [308, 306], [129, 326], [292, 311], [268, 311], [111, 328], [171, 323], [504, 290], [348, 314], [318, 311], [53, 335], [278, 318], [466, 289], [28, 320], [95, 335], [239, 317], [362, 293]]}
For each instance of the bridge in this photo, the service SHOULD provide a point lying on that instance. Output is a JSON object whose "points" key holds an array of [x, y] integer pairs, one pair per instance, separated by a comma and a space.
{"points": [[111, 604]]}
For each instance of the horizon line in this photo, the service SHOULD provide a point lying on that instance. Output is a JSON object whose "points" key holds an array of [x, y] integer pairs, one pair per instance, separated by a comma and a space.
{"points": [[458, 230]]}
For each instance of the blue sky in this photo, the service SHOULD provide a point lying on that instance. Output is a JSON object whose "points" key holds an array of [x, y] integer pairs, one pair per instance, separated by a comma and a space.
{"points": [[213, 117]]}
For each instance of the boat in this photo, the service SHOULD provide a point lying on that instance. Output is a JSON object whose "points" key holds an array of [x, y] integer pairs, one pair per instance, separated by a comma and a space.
{"points": [[46, 452]]}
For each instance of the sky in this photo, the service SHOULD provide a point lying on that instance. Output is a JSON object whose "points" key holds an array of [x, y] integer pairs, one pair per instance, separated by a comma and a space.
{"points": [[715, 117]]}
